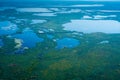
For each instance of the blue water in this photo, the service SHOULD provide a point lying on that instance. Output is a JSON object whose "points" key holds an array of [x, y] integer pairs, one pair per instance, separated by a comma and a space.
{"points": [[50, 36], [92, 26], [67, 43], [18, 3], [7, 27], [29, 38], [1, 43]]}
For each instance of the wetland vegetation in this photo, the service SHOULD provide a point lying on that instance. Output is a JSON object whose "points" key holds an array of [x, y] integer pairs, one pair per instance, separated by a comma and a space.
{"points": [[73, 41]]}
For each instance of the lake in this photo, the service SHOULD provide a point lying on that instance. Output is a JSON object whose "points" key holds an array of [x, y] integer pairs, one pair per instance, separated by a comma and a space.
{"points": [[92, 26], [29, 38], [1, 43], [6, 27], [67, 43]]}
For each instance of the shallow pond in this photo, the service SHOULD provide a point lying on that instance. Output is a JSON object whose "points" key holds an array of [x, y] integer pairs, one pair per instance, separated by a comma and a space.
{"points": [[6, 27], [29, 38], [50, 36], [1, 43], [33, 10], [67, 42], [45, 14], [37, 21], [92, 26]]}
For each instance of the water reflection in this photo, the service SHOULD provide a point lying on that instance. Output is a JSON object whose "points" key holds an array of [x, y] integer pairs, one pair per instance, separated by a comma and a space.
{"points": [[6, 27], [29, 38], [50, 36], [1, 43], [67, 42], [92, 26]]}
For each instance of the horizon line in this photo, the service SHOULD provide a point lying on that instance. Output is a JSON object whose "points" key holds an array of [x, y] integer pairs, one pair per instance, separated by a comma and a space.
{"points": [[65, 0]]}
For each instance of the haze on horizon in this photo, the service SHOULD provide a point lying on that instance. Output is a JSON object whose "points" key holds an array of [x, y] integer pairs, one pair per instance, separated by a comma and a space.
{"points": [[51, 0]]}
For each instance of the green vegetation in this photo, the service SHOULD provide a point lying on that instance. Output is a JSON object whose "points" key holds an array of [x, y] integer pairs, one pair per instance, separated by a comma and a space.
{"points": [[88, 61]]}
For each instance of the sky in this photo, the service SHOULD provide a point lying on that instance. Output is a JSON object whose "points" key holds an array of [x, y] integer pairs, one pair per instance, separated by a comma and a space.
{"points": [[52, 0]]}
